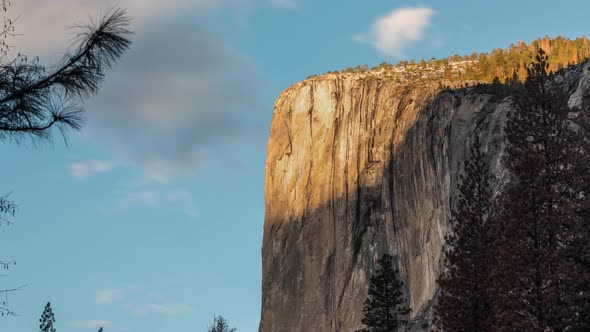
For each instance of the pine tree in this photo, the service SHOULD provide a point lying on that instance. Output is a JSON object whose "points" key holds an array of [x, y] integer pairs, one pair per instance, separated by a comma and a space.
{"points": [[463, 303], [385, 307], [47, 319], [534, 281], [220, 325]]}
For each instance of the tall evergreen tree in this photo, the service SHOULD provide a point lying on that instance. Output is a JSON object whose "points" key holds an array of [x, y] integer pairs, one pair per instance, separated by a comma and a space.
{"points": [[47, 319], [534, 281], [384, 309], [463, 303]]}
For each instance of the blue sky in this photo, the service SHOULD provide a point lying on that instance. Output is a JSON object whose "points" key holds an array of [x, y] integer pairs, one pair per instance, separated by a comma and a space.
{"points": [[151, 218]]}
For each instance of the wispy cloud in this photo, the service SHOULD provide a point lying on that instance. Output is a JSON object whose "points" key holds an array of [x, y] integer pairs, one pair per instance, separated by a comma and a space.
{"points": [[163, 309], [82, 170], [140, 301], [284, 4], [109, 295], [394, 32], [154, 197]]}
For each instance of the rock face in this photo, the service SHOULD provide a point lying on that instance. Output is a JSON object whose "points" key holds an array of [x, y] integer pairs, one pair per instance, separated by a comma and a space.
{"points": [[356, 168]]}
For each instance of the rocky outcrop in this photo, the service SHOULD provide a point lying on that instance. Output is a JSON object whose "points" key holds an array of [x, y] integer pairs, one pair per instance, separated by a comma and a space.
{"points": [[357, 167]]}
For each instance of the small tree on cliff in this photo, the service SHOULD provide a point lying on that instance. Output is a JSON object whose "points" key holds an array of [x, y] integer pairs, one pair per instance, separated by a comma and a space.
{"points": [[463, 303], [47, 319], [535, 281], [384, 307]]}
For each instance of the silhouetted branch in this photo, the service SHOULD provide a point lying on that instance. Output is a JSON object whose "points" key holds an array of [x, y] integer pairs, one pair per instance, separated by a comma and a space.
{"points": [[4, 302], [34, 98], [7, 207], [7, 30]]}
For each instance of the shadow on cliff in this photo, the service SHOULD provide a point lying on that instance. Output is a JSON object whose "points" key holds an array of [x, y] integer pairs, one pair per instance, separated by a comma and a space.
{"points": [[316, 268]]}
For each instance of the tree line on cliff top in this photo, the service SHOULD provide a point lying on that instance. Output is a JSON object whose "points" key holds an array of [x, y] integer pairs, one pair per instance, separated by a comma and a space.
{"points": [[500, 64], [519, 260]]}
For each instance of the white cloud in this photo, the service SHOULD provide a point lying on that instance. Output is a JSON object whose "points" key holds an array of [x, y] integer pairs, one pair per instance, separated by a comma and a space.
{"points": [[394, 32], [284, 4], [82, 170], [109, 295], [44, 26], [91, 324]]}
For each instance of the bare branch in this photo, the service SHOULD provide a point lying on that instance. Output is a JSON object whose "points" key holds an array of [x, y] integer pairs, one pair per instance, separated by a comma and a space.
{"points": [[7, 207], [4, 302]]}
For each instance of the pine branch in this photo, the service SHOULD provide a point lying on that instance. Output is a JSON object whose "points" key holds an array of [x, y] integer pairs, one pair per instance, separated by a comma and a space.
{"points": [[32, 101]]}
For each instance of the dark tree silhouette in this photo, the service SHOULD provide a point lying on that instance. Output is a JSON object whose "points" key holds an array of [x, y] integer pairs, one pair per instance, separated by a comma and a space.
{"points": [[534, 281], [47, 319], [35, 98], [219, 324], [384, 309], [463, 303]]}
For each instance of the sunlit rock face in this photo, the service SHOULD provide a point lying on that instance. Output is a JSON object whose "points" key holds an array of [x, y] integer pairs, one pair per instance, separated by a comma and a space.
{"points": [[359, 167]]}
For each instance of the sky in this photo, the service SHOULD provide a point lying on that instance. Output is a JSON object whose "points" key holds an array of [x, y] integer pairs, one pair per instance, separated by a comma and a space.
{"points": [[151, 217]]}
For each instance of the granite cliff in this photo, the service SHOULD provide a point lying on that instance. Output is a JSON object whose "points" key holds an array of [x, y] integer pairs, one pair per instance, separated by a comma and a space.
{"points": [[359, 165]]}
